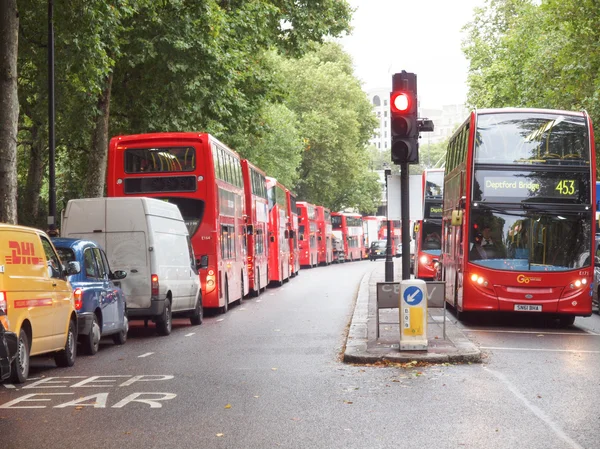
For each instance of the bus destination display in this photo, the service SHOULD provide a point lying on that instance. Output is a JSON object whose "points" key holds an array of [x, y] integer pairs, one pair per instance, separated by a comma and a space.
{"points": [[517, 187]]}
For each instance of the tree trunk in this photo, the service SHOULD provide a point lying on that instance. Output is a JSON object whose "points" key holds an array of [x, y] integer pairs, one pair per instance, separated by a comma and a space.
{"points": [[35, 175], [9, 110], [97, 157]]}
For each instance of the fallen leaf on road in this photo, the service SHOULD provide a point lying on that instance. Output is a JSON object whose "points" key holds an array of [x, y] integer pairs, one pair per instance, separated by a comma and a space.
{"points": [[274, 369], [348, 402], [256, 396], [228, 406], [220, 434]]}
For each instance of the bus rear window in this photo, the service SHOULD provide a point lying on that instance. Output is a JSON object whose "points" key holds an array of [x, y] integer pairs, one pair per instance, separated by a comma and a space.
{"points": [[160, 160]]}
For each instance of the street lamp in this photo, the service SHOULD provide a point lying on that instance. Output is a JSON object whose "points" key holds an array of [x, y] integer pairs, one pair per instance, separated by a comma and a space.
{"points": [[52, 231]]}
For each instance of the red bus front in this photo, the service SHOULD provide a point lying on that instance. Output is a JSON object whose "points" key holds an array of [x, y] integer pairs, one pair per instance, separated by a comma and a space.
{"points": [[279, 245], [204, 178], [428, 241], [257, 221], [526, 189], [324, 236], [307, 232]]}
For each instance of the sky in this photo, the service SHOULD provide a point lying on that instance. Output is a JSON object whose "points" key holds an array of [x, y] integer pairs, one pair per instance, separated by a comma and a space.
{"points": [[419, 36]]}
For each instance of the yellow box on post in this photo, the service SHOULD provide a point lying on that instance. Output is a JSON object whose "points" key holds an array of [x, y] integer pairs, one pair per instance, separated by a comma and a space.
{"points": [[412, 305]]}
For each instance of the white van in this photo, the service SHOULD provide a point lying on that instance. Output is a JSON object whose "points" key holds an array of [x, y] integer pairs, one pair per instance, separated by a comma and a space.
{"points": [[149, 240]]}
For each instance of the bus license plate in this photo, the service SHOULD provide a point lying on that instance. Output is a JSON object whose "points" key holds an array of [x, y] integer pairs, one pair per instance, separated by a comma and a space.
{"points": [[527, 308]]}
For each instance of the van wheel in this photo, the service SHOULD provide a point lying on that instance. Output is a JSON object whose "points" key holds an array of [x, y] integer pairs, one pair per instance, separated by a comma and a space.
{"points": [[198, 314], [91, 342], [66, 357], [225, 308], [20, 365], [121, 337], [165, 323]]}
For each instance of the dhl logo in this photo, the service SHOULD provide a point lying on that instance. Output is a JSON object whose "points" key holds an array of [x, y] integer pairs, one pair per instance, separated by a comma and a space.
{"points": [[522, 279], [23, 253]]}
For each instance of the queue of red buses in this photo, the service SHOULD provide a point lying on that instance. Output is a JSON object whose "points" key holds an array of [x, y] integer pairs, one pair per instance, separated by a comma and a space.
{"points": [[204, 179], [348, 228], [307, 231], [324, 236], [428, 240], [242, 224], [518, 223]]}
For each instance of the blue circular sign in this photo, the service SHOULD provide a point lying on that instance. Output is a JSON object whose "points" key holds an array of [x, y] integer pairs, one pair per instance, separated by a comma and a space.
{"points": [[413, 295]]}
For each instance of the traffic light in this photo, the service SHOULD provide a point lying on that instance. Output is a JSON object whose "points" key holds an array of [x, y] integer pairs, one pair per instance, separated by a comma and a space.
{"points": [[404, 118]]}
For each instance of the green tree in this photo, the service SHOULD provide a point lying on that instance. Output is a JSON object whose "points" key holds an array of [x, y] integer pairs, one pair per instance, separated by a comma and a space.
{"points": [[336, 121]]}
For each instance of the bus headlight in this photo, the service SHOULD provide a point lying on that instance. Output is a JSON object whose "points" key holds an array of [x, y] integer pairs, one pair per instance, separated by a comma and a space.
{"points": [[479, 280]]}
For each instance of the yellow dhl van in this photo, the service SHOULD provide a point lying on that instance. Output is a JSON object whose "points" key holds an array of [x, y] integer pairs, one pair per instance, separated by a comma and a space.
{"points": [[37, 298]]}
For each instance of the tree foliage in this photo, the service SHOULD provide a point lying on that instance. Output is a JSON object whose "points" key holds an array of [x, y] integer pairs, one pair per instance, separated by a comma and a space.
{"points": [[525, 53]]}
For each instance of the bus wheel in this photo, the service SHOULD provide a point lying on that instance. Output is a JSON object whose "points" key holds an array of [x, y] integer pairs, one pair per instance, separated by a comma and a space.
{"points": [[242, 292], [256, 291], [225, 308], [566, 320]]}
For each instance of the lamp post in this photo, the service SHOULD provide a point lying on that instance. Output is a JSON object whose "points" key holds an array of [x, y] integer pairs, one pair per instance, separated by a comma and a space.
{"points": [[389, 261], [52, 231]]}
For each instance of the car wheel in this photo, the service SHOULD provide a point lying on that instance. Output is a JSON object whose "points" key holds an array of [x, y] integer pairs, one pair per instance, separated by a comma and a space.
{"points": [[121, 337], [91, 342], [196, 318], [66, 357], [20, 365], [165, 324]]}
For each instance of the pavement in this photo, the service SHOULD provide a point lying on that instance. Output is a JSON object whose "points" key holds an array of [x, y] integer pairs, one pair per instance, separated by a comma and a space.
{"points": [[363, 346]]}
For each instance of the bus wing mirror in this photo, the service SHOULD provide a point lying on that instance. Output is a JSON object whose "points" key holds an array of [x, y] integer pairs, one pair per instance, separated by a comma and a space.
{"points": [[250, 230], [301, 237], [462, 203], [457, 217], [597, 261], [272, 238], [202, 262]]}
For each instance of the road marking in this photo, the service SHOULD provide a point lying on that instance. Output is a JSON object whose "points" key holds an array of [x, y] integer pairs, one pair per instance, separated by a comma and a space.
{"points": [[575, 351], [584, 333], [145, 355], [535, 410], [190, 334]]}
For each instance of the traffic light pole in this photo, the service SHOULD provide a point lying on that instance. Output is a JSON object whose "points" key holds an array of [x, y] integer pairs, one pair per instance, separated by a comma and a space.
{"points": [[389, 261], [405, 215]]}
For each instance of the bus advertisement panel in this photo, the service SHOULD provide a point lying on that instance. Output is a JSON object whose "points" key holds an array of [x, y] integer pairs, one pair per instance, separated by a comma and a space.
{"points": [[257, 220], [307, 234], [324, 236], [203, 177], [518, 222], [428, 241], [279, 245], [349, 229], [293, 234]]}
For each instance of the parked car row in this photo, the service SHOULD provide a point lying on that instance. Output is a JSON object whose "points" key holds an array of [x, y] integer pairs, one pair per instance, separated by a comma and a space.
{"points": [[127, 258]]}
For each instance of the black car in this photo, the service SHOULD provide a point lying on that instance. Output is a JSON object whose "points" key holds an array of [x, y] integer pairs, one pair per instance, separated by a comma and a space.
{"points": [[8, 347], [377, 249]]}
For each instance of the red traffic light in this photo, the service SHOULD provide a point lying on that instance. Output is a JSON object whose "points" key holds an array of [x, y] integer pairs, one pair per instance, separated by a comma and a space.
{"points": [[401, 102]]}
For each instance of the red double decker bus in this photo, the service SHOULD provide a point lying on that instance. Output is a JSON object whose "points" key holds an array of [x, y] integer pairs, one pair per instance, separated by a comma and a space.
{"points": [[324, 236], [518, 223], [349, 229], [257, 222], [293, 228], [307, 232], [204, 178], [428, 241], [396, 232], [279, 245], [371, 227]]}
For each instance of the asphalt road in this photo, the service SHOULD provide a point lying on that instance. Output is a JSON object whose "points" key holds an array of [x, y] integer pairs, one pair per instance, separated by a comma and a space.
{"points": [[268, 375]]}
